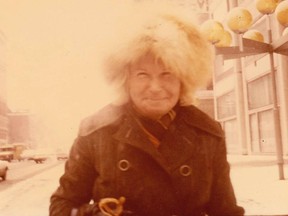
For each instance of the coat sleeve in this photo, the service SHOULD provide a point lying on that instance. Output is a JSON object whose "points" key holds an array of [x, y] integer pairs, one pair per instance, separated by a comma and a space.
{"points": [[77, 181], [223, 200]]}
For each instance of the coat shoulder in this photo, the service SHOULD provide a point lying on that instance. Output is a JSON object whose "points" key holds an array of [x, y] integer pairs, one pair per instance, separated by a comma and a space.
{"points": [[198, 119], [104, 117]]}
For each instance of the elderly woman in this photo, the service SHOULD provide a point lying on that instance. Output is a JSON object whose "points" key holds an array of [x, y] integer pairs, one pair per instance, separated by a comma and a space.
{"points": [[152, 148]]}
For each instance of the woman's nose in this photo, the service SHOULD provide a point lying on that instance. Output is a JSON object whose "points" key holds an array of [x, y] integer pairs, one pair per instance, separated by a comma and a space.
{"points": [[155, 85]]}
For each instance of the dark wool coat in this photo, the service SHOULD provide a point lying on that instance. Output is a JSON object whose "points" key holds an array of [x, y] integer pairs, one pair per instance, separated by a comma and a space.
{"points": [[112, 157]]}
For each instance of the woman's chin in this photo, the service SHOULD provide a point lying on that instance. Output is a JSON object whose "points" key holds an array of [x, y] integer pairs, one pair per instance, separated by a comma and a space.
{"points": [[155, 113]]}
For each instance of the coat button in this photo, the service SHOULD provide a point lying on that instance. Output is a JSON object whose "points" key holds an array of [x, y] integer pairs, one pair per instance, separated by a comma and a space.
{"points": [[185, 170], [123, 165]]}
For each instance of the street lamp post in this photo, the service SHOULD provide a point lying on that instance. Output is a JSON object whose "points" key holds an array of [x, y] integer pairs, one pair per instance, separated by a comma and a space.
{"points": [[267, 7], [239, 22]]}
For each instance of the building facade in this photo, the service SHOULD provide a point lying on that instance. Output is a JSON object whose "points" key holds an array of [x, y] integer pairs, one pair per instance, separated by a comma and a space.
{"points": [[243, 90], [20, 127]]}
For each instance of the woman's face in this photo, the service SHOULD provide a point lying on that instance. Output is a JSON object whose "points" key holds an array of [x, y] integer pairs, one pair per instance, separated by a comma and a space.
{"points": [[153, 89]]}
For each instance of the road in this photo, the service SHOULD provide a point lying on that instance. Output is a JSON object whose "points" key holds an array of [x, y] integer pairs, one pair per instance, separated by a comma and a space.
{"points": [[19, 171], [30, 196]]}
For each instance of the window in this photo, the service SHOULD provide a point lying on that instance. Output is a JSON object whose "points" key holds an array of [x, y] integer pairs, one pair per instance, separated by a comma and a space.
{"points": [[266, 131], [262, 132], [263, 85], [254, 133], [226, 106], [231, 136]]}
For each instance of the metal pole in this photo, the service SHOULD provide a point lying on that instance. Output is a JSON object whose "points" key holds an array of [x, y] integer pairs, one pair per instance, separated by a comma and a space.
{"points": [[277, 124], [239, 90]]}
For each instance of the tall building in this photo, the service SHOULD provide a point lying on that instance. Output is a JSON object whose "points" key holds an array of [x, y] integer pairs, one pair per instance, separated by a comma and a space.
{"points": [[3, 95], [19, 129]]}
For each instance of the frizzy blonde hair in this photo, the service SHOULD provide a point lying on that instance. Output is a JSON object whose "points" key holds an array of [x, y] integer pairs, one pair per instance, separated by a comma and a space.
{"points": [[178, 44]]}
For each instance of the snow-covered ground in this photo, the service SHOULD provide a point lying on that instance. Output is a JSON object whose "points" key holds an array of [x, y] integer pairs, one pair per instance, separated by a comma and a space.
{"points": [[255, 180], [257, 185], [30, 197]]}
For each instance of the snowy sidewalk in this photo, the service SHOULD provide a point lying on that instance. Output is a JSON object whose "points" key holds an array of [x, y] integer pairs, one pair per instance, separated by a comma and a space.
{"points": [[257, 185]]}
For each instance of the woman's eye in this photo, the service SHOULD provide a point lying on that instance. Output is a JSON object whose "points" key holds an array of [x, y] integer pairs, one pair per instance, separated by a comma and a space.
{"points": [[141, 75], [167, 74]]}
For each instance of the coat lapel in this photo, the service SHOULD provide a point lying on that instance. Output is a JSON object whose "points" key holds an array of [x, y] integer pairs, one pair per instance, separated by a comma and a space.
{"points": [[131, 134], [180, 145]]}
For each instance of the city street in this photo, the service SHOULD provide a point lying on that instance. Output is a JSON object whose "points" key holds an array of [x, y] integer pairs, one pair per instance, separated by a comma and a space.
{"points": [[19, 171], [61, 61], [255, 181], [30, 197]]}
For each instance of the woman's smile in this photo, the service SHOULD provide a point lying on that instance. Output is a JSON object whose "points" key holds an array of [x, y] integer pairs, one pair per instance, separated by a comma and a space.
{"points": [[153, 90]]}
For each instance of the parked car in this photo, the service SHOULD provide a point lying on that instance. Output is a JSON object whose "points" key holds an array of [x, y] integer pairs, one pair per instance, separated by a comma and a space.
{"points": [[39, 158], [18, 150], [3, 169], [62, 156], [27, 154], [42, 154], [6, 152], [38, 155]]}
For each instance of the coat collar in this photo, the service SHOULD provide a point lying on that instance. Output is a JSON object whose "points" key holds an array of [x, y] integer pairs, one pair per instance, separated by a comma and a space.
{"points": [[180, 144], [200, 120], [130, 133]]}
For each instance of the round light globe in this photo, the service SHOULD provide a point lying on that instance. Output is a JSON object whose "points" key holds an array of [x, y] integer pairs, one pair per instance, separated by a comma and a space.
{"points": [[282, 13], [213, 30], [239, 20], [254, 35], [225, 41], [266, 6]]}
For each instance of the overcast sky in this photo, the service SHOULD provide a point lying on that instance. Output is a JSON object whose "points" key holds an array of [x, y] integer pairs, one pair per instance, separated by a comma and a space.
{"points": [[54, 48]]}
